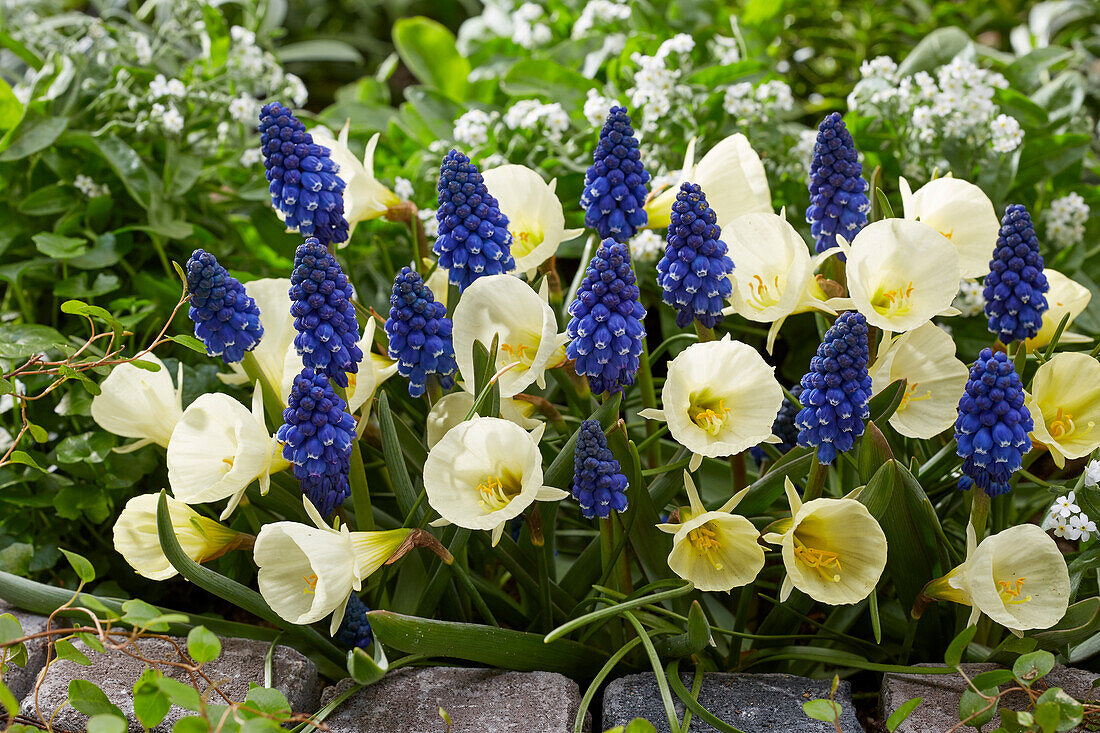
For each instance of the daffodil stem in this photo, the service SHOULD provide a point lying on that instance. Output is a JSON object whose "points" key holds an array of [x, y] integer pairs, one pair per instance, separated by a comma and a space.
{"points": [[649, 399], [607, 559], [979, 510], [815, 480], [737, 467], [273, 404]]}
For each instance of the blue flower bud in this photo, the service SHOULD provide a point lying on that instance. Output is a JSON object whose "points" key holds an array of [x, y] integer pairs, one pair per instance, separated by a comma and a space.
{"points": [[419, 333], [226, 320], [355, 629], [615, 184], [328, 330], [838, 198], [598, 484], [1015, 286]]}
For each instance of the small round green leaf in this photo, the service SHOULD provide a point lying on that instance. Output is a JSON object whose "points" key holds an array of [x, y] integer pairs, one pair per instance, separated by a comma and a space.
{"points": [[203, 645]]}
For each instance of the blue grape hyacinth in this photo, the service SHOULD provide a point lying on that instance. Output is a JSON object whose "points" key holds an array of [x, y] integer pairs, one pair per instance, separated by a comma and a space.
{"points": [[355, 629], [473, 232], [318, 434], [419, 333], [605, 325], [693, 273], [992, 428], [838, 191], [836, 390], [1015, 287], [783, 427], [615, 184], [226, 319], [328, 330], [304, 180], [598, 484]]}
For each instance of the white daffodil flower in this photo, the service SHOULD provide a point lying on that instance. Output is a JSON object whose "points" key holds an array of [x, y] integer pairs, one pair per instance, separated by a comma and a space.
{"points": [[730, 174], [451, 410], [485, 472], [365, 197], [718, 550], [202, 539], [272, 296], [833, 549], [307, 573], [505, 306], [535, 216], [135, 403], [935, 379], [1065, 296], [719, 398], [900, 274], [1065, 405], [1017, 577], [218, 448], [773, 274], [960, 211]]}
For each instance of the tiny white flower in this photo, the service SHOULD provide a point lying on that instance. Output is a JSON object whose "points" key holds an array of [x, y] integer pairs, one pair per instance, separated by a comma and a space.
{"points": [[403, 188], [243, 109], [1007, 134], [1092, 473], [296, 89], [596, 107], [1064, 505], [472, 128], [1084, 526], [251, 157], [646, 247], [142, 50]]}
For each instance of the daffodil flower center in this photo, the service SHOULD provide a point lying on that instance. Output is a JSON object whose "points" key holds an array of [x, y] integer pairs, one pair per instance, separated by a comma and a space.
{"points": [[822, 560], [311, 584], [1064, 425], [496, 494], [908, 397], [524, 242], [228, 464], [1010, 592], [764, 295], [895, 301], [705, 539], [708, 413]]}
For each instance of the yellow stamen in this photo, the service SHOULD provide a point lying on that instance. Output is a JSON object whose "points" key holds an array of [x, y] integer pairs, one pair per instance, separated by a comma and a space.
{"points": [[948, 233], [1064, 425], [494, 495], [523, 242], [710, 419], [894, 301], [908, 396], [763, 295], [311, 584], [228, 464], [516, 352], [1010, 592], [704, 539], [820, 559]]}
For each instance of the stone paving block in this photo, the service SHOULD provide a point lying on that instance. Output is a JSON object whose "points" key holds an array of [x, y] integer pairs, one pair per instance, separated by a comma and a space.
{"points": [[478, 701], [941, 693], [20, 680], [755, 703], [241, 662]]}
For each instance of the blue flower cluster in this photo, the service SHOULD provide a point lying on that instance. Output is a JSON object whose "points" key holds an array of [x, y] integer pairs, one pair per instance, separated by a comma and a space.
{"points": [[473, 232], [355, 629], [693, 273], [605, 326], [838, 191], [836, 390], [419, 333], [615, 184], [783, 427], [318, 434], [226, 320], [305, 185], [320, 295], [598, 484], [993, 425], [1015, 286]]}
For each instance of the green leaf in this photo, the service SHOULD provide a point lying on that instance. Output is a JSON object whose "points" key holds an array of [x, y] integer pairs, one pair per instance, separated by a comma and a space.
{"points": [[11, 109], [59, 247], [180, 694], [320, 50], [547, 79], [1031, 667], [974, 709], [203, 645], [190, 342], [495, 647], [32, 135], [268, 700], [958, 645], [429, 50], [1082, 620], [140, 614], [107, 723], [151, 703], [824, 710], [935, 49], [47, 200], [1070, 711], [403, 488], [8, 701], [365, 669], [127, 164], [86, 697], [91, 447], [904, 711], [83, 568], [66, 650], [10, 630]]}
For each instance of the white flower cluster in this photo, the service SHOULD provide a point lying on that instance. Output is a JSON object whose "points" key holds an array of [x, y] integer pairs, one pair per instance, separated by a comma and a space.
{"points": [[1092, 473], [1065, 220], [604, 12], [646, 247], [657, 88], [527, 31], [726, 50], [747, 103], [403, 188], [431, 224], [970, 299], [162, 87], [90, 188], [596, 107], [472, 128], [529, 114], [1007, 134], [1068, 521]]}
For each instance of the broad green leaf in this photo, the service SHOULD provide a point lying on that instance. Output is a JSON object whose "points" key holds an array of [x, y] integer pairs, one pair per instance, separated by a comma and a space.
{"points": [[974, 709], [59, 247], [203, 645], [1031, 667], [429, 50], [107, 723], [7, 700], [180, 694], [86, 697], [1070, 710], [935, 49], [83, 568], [66, 650], [319, 50], [268, 700], [898, 716], [125, 161], [32, 135], [151, 703], [824, 710], [11, 109], [10, 630], [1082, 620], [548, 79], [47, 199]]}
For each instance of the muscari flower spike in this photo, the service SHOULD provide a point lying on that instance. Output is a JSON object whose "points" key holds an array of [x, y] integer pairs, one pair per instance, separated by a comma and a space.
{"points": [[605, 326], [355, 629], [695, 267], [226, 320], [419, 333], [993, 424], [318, 434], [1015, 286], [328, 330], [615, 183], [473, 232], [836, 390], [783, 428], [598, 483], [305, 186], [838, 198]]}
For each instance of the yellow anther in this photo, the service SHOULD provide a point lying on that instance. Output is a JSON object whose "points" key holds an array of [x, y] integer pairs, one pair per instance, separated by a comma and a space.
{"points": [[1010, 592], [948, 233], [711, 420], [516, 352], [910, 391], [494, 495], [820, 559], [311, 584], [894, 301], [1063, 424], [764, 295], [228, 464], [704, 539]]}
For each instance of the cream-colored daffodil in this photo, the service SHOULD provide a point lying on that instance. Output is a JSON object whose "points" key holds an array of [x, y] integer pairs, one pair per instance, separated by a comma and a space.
{"points": [[202, 539], [773, 276], [960, 211], [534, 213], [730, 174], [1065, 296], [719, 398], [307, 573], [272, 296], [1065, 405], [833, 549], [136, 403], [365, 197], [718, 550], [935, 379], [451, 410], [1017, 577], [218, 448], [505, 306], [485, 472], [900, 274]]}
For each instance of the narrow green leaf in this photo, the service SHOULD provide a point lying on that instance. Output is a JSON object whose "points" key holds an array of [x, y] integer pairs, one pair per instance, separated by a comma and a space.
{"points": [[898, 716], [83, 568], [403, 487], [190, 342], [958, 646]]}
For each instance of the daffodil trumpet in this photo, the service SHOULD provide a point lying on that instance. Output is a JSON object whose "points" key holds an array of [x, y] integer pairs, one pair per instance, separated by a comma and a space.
{"points": [[1064, 403]]}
